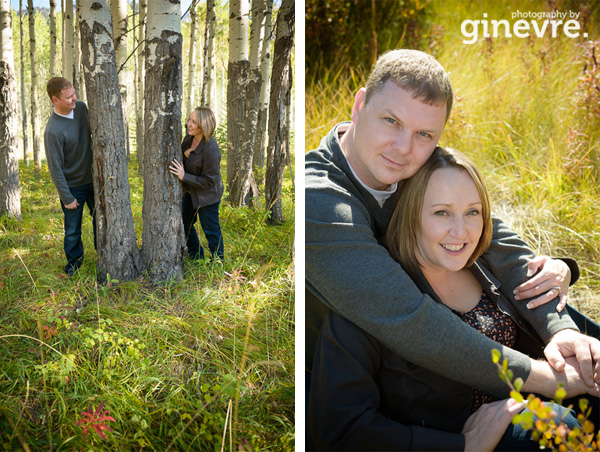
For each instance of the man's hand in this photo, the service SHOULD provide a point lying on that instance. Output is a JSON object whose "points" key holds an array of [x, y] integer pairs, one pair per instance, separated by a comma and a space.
{"points": [[544, 379], [73, 205], [484, 428], [552, 281], [585, 349]]}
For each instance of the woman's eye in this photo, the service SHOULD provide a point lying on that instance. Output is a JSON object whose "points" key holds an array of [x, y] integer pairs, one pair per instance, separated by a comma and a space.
{"points": [[424, 134], [473, 212], [441, 213], [391, 120]]}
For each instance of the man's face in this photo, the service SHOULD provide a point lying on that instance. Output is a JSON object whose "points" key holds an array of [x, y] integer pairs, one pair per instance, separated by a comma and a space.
{"points": [[66, 102], [394, 135]]}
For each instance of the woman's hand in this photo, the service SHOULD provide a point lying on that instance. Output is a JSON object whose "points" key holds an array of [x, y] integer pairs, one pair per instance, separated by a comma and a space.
{"points": [[484, 428], [177, 169], [552, 281]]}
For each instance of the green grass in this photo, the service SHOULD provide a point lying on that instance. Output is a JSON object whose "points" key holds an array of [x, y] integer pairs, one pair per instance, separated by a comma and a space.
{"points": [[174, 365], [524, 112]]}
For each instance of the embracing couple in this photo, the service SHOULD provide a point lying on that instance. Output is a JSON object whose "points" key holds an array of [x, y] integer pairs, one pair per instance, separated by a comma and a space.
{"points": [[411, 283]]}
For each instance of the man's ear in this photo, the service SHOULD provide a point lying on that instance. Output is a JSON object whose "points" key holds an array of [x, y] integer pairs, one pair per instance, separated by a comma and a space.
{"points": [[54, 99], [359, 103]]}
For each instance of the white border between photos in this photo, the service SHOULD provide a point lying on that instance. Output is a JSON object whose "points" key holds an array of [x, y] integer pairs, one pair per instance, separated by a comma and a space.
{"points": [[299, 227]]}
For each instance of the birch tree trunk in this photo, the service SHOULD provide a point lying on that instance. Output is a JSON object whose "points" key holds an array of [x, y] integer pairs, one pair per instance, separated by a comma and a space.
{"points": [[52, 18], [199, 67], [163, 244], [118, 254], [139, 114], [67, 47], [208, 86], [248, 184], [23, 104], [280, 94], [189, 96], [260, 141], [237, 82], [136, 100], [77, 81], [118, 10], [10, 201], [35, 115]]}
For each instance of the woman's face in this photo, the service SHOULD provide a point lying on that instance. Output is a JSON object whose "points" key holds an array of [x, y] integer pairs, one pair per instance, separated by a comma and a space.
{"points": [[451, 221], [192, 125]]}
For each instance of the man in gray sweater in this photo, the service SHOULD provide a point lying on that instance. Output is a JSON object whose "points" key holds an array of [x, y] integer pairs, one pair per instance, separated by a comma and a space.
{"points": [[351, 178], [68, 150]]}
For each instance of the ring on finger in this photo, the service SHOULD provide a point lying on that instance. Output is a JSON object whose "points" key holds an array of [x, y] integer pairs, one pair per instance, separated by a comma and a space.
{"points": [[557, 288]]}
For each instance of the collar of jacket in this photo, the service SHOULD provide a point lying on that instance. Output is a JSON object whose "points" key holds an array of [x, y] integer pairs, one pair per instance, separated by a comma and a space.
{"points": [[491, 286]]}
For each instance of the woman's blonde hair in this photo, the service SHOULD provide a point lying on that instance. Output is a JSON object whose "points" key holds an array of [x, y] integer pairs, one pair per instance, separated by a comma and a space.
{"points": [[405, 221], [206, 121]]}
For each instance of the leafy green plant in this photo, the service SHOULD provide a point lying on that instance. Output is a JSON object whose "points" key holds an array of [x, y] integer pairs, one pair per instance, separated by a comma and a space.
{"points": [[546, 427], [166, 360]]}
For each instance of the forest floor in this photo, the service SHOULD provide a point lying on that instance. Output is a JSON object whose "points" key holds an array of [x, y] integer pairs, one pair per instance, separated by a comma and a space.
{"points": [[198, 364]]}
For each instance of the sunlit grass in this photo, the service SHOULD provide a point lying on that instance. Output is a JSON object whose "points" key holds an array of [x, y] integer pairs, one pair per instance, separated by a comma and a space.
{"points": [[518, 115], [168, 362]]}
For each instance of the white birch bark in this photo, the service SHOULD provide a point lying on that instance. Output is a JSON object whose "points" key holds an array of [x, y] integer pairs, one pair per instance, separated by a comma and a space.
{"points": [[24, 123], [209, 84], [10, 203], [35, 114], [189, 96], [52, 18], [281, 82], [237, 72], [118, 254], [248, 187], [77, 81], [261, 139], [163, 244], [67, 47], [118, 9], [139, 86]]}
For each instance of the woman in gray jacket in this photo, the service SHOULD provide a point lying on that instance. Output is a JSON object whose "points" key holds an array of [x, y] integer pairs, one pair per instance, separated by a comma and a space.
{"points": [[200, 173]]}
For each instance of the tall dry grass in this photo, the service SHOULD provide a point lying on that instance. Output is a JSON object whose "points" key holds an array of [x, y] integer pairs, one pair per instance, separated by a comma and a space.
{"points": [[524, 111]]}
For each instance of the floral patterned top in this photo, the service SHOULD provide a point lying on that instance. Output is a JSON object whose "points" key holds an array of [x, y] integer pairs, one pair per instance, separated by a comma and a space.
{"points": [[490, 321]]}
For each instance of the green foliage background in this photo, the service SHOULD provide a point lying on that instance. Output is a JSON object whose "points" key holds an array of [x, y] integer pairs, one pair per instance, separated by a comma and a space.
{"points": [[174, 364], [527, 110], [198, 364]]}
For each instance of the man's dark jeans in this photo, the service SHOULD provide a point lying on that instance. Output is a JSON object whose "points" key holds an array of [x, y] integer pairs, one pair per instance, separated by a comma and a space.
{"points": [[73, 218], [209, 220]]}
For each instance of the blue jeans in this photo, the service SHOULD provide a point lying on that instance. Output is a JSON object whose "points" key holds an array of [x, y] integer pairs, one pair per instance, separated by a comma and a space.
{"points": [[73, 217], [209, 220], [517, 439]]}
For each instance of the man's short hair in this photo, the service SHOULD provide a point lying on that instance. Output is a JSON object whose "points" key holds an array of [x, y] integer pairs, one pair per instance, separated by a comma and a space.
{"points": [[206, 121], [55, 85], [413, 71]]}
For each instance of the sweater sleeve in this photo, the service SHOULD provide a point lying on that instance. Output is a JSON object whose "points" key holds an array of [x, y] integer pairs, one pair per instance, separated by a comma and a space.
{"points": [[211, 170], [507, 258], [54, 146], [348, 271], [343, 409]]}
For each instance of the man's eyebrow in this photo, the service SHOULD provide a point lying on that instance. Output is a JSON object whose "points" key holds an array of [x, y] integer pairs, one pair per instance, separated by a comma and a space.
{"points": [[392, 114], [396, 118]]}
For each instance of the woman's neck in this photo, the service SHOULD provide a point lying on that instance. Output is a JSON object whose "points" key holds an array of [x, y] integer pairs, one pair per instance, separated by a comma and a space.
{"points": [[458, 290]]}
